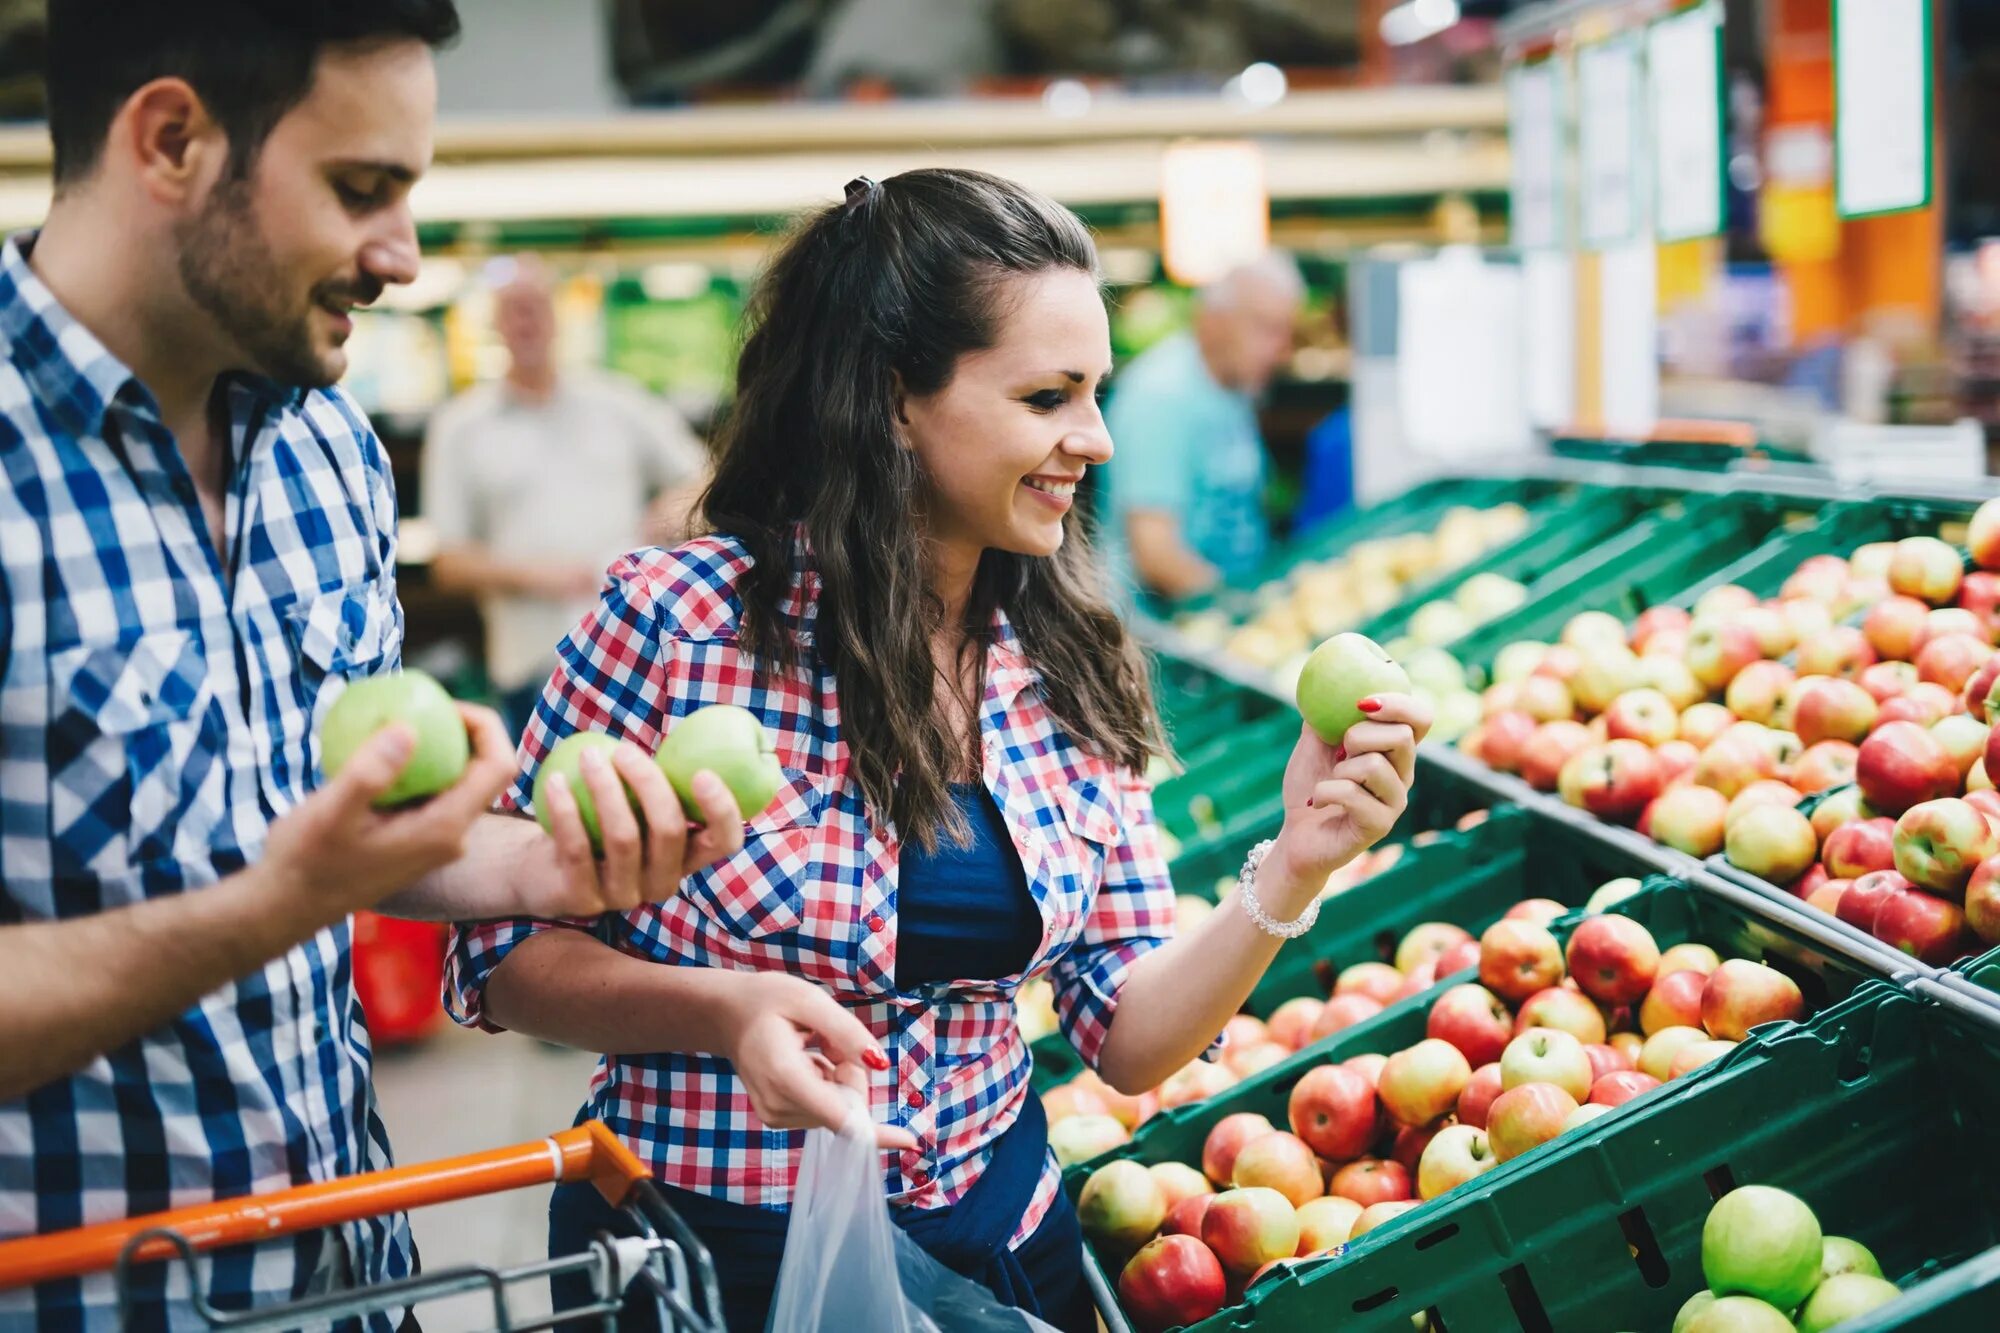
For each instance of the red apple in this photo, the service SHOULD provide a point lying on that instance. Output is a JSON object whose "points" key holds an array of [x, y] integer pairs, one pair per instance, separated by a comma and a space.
{"points": [[1518, 958], [1819, 577], [1342, 1011], [1979, 689], [1457, 1154], [1642, 715], [1717, 650], [1871, 561], [1886, 680], [1656, 1057], [1654, 619], [1378, 981], [1605, 1059], [1173, 1281], [1723, 600], [1825, 766], [1333, 1109], [1806, 885], [1368, 1064], [1381, 1214], [1178, 1183], [1927, 569], [1808, 616], [1924, 702], [1507, 734], [1460, 957], [1982, 535], [1325, 1223], [1587, 629], [1121, 1205], [1837, 808], [1545, 699], [1499, 697], [1418, 980], [1184, 1217], [1939, 843], [1612, 781], [1615, 1089], [1604, 673], [1696, 1054], [1964, 739], [1527, 1116], [1227, 1139], [1407, 1148], [1564, 1010], [1282, 1162], [1549, 749], [1983, 799], [1425, 942], [1949, 620], [1074, 1098], [1979, 593], [1422, 1082], [1733, 761], [1754, 692], [1247, 1030], [1861, 846], [1765, 791], [1370, 1181], [1842, 651], [1865, 896], [1688, 819], [1773, 842], [1982, 901], [1613, 958], [1833, 709], [1196, 1081], [1674, 1001], [1742, 994], [1702, 723], [1541, 911], [1292, 1022], [1951, 660], [1677, 759], [1828, 895], [1893, 627], [1628, 1044], [1473, 1019], [1929, 929], [1249, 1228], [1478, 1094], [1902, 765]]}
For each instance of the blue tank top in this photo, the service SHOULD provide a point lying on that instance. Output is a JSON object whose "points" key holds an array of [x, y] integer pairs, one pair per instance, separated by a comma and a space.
{"points": [[965, 913]]}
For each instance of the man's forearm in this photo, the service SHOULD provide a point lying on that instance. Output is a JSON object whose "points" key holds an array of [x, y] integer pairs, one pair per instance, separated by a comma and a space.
{"points": [[472, 569], [73, 990], [1162, 560], [478, 884]]}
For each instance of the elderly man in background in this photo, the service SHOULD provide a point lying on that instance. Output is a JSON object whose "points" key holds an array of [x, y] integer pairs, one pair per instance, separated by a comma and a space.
{"points": [[1185, 489], [536, 482]]}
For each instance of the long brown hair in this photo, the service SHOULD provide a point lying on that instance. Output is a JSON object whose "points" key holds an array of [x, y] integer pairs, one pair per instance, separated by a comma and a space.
{"points": [[896, 284]]}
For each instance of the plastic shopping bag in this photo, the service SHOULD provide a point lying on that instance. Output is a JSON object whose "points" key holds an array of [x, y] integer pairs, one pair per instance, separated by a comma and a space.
{"points": [[848, 1268]]}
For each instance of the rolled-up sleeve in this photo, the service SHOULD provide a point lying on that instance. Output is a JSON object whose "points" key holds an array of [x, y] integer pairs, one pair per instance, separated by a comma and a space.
{"points": [[612, 675], [1132, 915]]}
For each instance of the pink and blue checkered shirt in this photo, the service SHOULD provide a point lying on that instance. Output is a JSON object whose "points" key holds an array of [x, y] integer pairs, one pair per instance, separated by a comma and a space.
{"points": [[813, 892]]}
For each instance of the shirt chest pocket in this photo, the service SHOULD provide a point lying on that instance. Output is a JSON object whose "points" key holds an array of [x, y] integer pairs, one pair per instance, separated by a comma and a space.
{"points": [[1091, 826], [787, 852], [136, 750], [339, 635]]}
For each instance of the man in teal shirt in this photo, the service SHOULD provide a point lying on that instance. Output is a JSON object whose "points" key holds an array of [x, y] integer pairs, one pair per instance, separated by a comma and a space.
{"points": [[1184, 489]]}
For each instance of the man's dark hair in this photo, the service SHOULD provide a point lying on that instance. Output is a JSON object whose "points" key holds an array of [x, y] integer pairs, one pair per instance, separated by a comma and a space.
{"points": [[250, 61]]}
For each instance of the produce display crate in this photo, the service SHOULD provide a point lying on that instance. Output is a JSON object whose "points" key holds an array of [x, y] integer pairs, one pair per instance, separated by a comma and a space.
{"points": [[1736, 924], [1699, 455], [1854, 938], [1872, 1112]]}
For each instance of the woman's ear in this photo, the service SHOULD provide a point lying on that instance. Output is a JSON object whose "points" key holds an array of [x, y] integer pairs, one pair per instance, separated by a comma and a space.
{"points": [[899, 399]]}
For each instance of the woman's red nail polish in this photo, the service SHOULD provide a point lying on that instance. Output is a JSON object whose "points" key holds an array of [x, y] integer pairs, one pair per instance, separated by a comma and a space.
{"points": [[1370, 705], [1340, 754], [875, 1060]]}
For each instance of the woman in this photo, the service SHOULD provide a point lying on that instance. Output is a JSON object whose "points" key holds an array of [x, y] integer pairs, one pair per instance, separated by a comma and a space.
{"points": [[900, 591]]}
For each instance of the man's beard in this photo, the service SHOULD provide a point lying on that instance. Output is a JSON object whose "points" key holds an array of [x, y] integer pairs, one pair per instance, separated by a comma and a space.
{"points": [[229, 271]]}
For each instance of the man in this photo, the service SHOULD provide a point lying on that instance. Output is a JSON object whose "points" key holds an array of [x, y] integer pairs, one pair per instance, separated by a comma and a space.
{"points": [[536, 483], [197, 548], [1185, 489]]}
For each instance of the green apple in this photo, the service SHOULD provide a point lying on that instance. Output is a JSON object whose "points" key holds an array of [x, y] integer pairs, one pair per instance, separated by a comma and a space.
{"points": [[1696, 1303], [1740, 1314], [1610, 892], [1843, 1297], [1341, 672], [1762, 1242], [567, 759], [415, 699], [1840, 1255], [732, 744]]}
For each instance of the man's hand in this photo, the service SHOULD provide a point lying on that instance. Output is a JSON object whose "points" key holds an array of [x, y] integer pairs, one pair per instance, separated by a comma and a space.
{"points": [[646, 856], [335, 853]]}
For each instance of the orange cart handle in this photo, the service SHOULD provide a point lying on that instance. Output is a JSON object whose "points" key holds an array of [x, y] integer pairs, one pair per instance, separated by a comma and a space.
{"points": [[589, 1152]]}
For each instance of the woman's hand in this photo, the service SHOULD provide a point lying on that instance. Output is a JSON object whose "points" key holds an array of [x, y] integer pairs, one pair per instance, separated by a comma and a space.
{"points": [[793, 1048], [1341, 801]]}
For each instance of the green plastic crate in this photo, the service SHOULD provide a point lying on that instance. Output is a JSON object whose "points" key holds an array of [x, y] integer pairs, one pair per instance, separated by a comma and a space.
{"points": [[1872, 1112], [1675, 912]]}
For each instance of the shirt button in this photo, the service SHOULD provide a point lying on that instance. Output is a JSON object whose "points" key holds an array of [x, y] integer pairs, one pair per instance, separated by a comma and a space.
{"points": [[920, 1177], [916, 1099], [875, 922]]}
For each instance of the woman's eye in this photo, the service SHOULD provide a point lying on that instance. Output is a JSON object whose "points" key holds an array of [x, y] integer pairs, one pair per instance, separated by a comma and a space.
{"points": [[1048, 400]]}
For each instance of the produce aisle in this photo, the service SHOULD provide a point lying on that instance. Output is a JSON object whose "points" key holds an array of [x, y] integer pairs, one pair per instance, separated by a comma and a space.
{"points": [[1676, 965]]}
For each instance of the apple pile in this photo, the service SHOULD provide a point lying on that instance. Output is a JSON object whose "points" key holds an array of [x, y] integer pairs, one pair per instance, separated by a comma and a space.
{"points": [[1873, 679], [1769, 1268], [1547, 1039], [1316, 599]]}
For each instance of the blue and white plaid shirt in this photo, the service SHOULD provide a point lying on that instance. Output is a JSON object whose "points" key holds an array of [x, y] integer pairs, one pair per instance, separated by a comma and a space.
{"points": [[156, 715]]}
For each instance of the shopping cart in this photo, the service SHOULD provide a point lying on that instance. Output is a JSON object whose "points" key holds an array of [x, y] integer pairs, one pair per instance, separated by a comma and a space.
{"points": [[664, 1259]]}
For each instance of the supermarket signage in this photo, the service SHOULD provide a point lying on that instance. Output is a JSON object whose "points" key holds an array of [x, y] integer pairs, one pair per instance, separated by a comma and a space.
{"points": [[1537, 100], [1611, 144], [1215, 209], [1882, 106], [1685, 94]]}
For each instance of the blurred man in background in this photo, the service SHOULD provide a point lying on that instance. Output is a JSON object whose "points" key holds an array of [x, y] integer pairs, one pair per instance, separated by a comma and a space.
{"points": [[1185, 489], [535, 483]]}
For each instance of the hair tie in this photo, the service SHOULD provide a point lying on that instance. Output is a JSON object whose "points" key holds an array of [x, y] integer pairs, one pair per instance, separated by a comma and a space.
{"points": [[861, 191]]}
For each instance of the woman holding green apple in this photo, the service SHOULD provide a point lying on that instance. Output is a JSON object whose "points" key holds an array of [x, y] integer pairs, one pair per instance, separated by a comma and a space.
{"points": [[900, 592]]}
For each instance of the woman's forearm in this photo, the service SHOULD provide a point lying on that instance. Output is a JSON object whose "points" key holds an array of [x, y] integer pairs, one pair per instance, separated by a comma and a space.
{"points": [[575, 990], [1178, 997]]}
